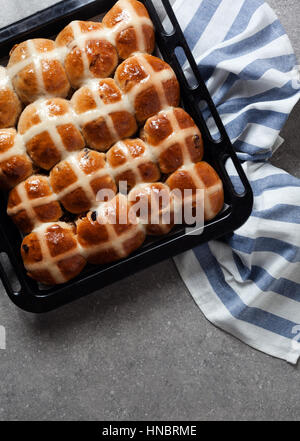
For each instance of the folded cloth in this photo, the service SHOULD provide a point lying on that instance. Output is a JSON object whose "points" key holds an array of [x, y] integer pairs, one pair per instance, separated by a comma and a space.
{"points": [[248, 283]]}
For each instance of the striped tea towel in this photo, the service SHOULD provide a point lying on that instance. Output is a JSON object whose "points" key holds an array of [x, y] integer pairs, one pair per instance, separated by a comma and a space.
{"points": [[249, 283]]}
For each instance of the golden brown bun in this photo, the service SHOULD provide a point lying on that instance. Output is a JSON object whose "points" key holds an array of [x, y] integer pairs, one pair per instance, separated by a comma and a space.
{"points": [[155, 206], [150, 84], [174, 138], [131, 161], [89, 53], [33, 202], [36, 70], [15, 164], [110, 234], [130, 24], [200, 176], [103, 113], [51, 254], [10, 106], [78, 179], [49, 131]]}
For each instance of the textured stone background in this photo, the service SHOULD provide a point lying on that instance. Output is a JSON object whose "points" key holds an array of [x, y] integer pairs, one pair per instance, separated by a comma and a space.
{"points": [[141, 349]]}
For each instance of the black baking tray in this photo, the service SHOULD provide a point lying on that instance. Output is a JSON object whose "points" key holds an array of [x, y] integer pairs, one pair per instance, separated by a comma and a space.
{"points": [[238, 206]]}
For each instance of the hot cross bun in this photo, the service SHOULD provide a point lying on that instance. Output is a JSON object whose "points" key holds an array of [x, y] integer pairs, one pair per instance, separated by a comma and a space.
{"points": [[78, 179], [15, 164], [149, 83], [36, 69], [51, 254], [104, 113], [90, 52], [110, 233], [50, 132], [131, 161], [10, 106], [33, 202], [203, 177], [130, 28], [175, 139]]}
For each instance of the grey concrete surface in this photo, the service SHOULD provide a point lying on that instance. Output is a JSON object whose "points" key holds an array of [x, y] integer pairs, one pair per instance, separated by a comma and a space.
{"points": [[141, 349]]}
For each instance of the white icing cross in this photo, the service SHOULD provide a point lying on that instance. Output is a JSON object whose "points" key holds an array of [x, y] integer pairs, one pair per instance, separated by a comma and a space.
{"points": [[178, 135], [103, 110], [156, 78], [49, 124], [35, 57], [132, 163], [131, 18], [18, 148], [84, 180], [29, 204]]}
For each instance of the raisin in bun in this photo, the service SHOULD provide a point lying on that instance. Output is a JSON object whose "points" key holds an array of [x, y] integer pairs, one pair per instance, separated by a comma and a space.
{"points": [[78, 179], [49, 130], [150, 84], [89, 54], [110, 233], [33, 202], [131, 161], [15, 164], [51, 254], [155, 206], [174, 138], [104, 113], [10, 106], [129, 25], [36, 69], [203, 177]]}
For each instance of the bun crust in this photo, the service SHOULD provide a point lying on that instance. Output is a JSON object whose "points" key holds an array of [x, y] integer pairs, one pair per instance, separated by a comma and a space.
{"points": [[175, 139], [15, 164], [49, 131], [150, 84], [36, 69], [51, 254]]}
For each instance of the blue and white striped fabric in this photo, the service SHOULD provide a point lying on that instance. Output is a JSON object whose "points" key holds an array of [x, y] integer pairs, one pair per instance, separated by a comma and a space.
{"points": [[249, 283]]}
